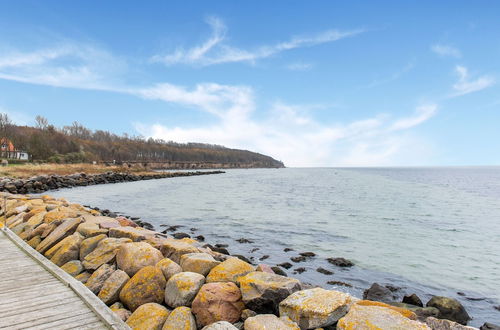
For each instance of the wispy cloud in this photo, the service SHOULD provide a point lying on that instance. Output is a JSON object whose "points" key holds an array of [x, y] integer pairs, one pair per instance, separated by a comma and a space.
{"points": [[422, 114], [446, 50], [300, 66], [215, 51], [465, 85], [395, 76]]}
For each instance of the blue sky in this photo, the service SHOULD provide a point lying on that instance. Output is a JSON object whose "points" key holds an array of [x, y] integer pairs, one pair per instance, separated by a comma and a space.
{"points": [[323, 83]]}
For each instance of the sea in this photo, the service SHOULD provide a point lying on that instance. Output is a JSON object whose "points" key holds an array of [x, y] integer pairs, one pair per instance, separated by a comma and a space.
{"points": [[424, 230]]}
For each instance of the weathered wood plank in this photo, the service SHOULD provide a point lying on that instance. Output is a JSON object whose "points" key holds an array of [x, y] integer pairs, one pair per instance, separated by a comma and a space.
{"points": [[75, 322]]}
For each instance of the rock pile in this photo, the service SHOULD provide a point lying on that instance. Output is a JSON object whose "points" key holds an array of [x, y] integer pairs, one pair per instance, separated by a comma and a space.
{"points": [[153, 281]]}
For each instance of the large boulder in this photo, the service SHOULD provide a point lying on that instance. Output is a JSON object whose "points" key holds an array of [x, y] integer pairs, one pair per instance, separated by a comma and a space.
{"points": [[150, 316], [269, 321], [200, 263], [105, 252], [401, 310], [182, 288], [221, 325], [97, 279], [131, 257], [315, 308], [73, 267], [180, 318], [174, 249], [135, 234], [436, 324], [66, 250], [89, 244], [147, 285], [110, 291], [378, 292], [377, 317], [229, 270], [169, 268], [450, 309], [219, 301], [421, 312], [65, 229], [262, 292], [88, 229], [59, 214]]}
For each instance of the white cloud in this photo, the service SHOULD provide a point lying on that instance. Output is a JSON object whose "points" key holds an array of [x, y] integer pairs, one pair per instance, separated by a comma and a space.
{"points": [[465, 86], [300, 66], [215, 51], [423, 113], [446, 50]]}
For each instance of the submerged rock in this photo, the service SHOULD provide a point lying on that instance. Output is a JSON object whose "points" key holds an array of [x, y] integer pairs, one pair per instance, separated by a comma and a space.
{"points": [[450, 309], [324, 271], [340, 262]]}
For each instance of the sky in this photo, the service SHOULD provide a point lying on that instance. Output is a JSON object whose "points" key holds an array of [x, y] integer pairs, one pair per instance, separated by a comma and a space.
{"points": [[310, 83]]}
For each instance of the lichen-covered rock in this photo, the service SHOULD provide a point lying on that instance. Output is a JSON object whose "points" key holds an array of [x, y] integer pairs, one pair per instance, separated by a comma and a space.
{"points": [[315, 308], [221, 325], [110, 291], [220, 301], [88, 229], [83, 277], [262, 292], [246, 313], [174, 249], [182, 288], [169, 268], [436, 324], [34, 241], [368, 317], [104, 252], [65, 229], [264, 268], [89, 244], [450, 309], [131, 257], [180, 318], [73, 267], [200, 263], [403, 311], [270, 322], [125, 222], [135, 234], [66, 250], [150, 316], [421, 312], [229, 270], [97, 279], [59, 215], [147, 285], [122, 313]]}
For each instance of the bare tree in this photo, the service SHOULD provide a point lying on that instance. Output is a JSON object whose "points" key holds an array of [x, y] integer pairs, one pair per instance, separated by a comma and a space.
{"points": [[41, 122]]}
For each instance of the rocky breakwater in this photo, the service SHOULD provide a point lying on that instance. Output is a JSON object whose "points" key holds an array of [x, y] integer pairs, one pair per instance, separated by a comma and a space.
{"points": [[153, 281], [41, 183]]}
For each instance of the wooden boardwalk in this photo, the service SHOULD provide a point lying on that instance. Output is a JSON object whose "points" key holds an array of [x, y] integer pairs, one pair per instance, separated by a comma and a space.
{"points": [[36, 294]]}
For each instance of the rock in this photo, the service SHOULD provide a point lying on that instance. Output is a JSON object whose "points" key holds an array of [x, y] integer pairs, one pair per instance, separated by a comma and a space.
{"points": [[242, 257], [264, 268], [246, 313], [90, 229], [58, 215], [262, 292], [221, 325], [135, 234], [436, 324], [34, 241], [181, 235], [110, 291], [377, 317], [298, 259], [65, 229], [403, 311], [229, 271], [97, 279], [201, 263], [169, 268], [489, 326], [180, 318], [124, 222], [182, 288], [244, 241], [450, 309], [299, 270], [131, 257], [219, 301], [278, 271], [315, 308], [324, 271], [73, 267], [83, 277], [421, 312], [174, 249], [413, 300], [147, 285], [308, 254], [66, 250], [264, 257], [378, 292], [123, 314], [286, 265], [340, 262], [89, 244], [104, 252], [269, 321], [150, 316]]}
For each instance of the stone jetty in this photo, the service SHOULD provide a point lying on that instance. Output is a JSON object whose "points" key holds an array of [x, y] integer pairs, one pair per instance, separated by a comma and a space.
{"points": [[154, 281]]}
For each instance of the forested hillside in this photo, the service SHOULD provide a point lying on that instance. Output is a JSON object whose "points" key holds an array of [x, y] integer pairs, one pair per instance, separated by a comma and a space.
{"points": [[76, 143]]}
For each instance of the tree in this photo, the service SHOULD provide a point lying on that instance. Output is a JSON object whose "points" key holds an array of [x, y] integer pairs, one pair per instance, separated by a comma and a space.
{"points": [[41, 122]]}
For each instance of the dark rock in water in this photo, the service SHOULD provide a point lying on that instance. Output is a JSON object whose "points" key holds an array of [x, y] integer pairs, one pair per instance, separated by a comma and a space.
{"points": [[220, 245], [378, 292], [181, 235], [421, 312], [245, 259], [460, 293], [243, 240], [497, 307], [216, 249], [200, 238], [174, 228], [324, 271], [298, 259], [475, 298], [278, 271], [194, 229], [254, 249], [145, 225], [413, 300], [308, 254], [340, 262], [299, 270], [489, 326], [134, 218], [450, 309], [287, 249], [392, 287], [339, 283], [286, 265], [164, 232], [264, 257]]}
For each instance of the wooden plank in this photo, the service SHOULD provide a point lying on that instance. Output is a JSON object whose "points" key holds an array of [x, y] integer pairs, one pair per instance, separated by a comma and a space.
{"points": [[32, 306], [28, 291], [76, 322], [28, 296], [39, 300], [43, 320], [12, 284]]}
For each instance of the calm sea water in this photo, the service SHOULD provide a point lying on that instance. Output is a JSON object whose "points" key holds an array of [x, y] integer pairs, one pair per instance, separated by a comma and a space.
{"points": [[426, 230]]}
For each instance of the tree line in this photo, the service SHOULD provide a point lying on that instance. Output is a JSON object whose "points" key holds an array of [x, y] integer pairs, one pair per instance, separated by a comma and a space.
{"points": [[76, 143]]}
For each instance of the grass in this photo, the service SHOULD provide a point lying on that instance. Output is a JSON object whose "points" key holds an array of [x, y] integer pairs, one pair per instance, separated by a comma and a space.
{"points": [[23, 171]]}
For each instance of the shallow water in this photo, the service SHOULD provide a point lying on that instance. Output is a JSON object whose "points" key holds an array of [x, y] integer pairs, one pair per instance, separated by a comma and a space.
{"points": [[426, 230]]}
